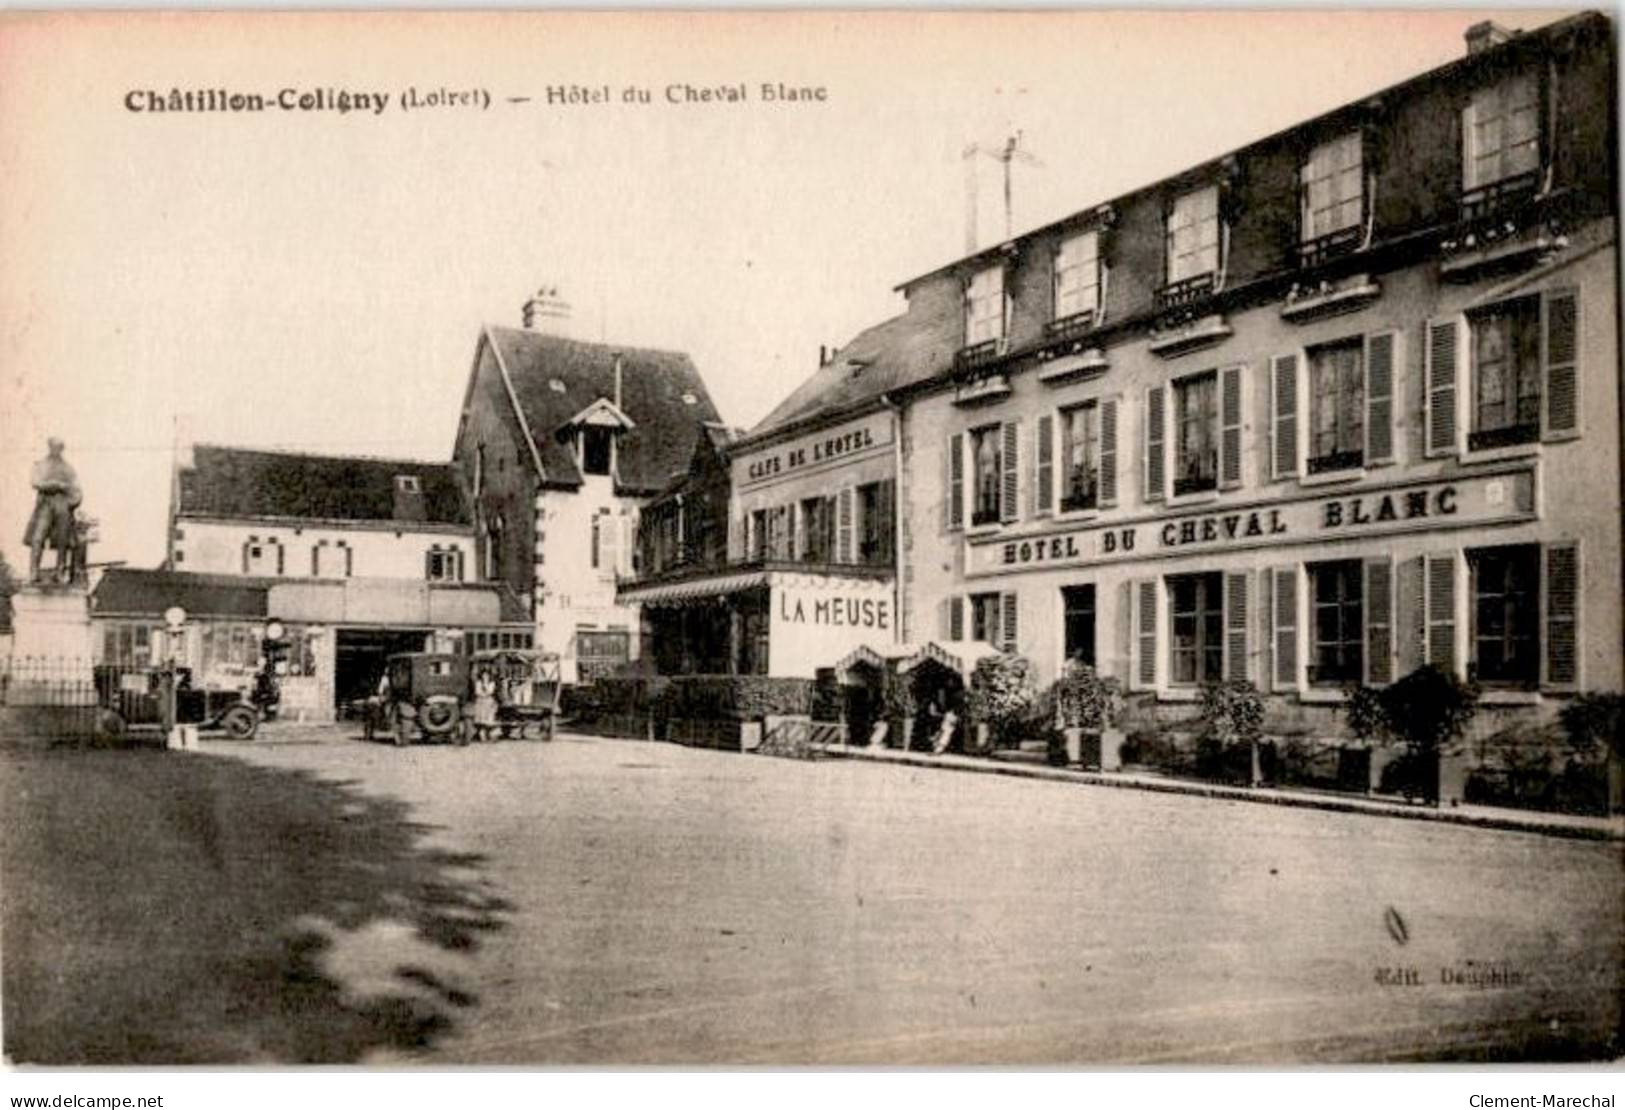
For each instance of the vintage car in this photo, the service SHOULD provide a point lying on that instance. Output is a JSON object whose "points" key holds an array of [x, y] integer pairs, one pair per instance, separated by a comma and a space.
{"points": [[527, 691], [421, 697], [135, 699]]}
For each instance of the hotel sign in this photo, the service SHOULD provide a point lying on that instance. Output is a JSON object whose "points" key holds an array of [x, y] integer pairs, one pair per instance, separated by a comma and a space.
{"points": [[815, 451], [1464, 502]]}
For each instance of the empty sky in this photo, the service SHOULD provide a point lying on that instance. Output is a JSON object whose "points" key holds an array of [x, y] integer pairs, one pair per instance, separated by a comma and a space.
{"points": [[315, 280]]}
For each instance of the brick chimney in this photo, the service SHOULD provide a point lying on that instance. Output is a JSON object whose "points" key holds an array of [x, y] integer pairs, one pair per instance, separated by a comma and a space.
{"points": [[547, 312], [1486, 36]]}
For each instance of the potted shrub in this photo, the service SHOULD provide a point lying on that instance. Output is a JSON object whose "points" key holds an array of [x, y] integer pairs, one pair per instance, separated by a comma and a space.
{"points": [[1594, 727], [901, 706], [1000, 697], [1426, 712], [1232, 715], [1088, 706]]}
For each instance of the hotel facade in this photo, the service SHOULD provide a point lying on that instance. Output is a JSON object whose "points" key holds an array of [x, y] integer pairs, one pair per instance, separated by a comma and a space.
{"points": [[1332, 406]]}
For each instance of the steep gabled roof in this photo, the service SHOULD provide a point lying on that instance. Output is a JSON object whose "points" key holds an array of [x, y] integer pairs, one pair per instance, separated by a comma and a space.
{"points": [[554, 379], [238, 482], [881, 359]]}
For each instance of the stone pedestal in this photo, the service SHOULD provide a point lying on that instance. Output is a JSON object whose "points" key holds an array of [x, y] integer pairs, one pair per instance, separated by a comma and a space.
{"points": [[51, 648]]}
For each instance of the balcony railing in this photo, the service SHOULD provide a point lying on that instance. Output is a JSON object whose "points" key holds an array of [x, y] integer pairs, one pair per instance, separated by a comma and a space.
{"points": [[974, 356], [1509, 436], [1327, 247], [1074, 326], [1196, 483], [1337, 460], [1183, 294], [1499, 197], [1081, 496]]}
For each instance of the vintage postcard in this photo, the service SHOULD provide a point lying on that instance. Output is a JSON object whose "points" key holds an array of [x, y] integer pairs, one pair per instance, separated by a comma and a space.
{"points": [[823, 538]]}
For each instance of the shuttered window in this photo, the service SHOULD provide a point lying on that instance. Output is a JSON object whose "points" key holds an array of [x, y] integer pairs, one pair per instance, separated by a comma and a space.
{"points": [[953, 514], [1560, 578], [1562, 393], [1156, 435], [1284, 415], [953, 618], [1336, 622], [1337, 406], [1196, 628], [1284, 627], [1381, 357], [1237, 611], [1146, 595], [1108, 452], [1379, 621], [1078, 623], [1506, 368], [1439, 396], [1230, 417], [1080, 450], [1044, 465], [1008, 627], [1196, 432], [845, 527], [1506, 615], [1010, 476], [1440, 590], [986, 610], [987, 466]]}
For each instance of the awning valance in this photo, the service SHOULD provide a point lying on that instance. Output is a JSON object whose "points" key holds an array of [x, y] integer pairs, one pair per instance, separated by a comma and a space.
{"points": [[878, 656], [697, 589], [958, 656]]}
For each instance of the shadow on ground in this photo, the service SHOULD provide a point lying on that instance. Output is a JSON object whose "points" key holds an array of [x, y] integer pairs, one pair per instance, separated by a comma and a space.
{"points": [[188, 909]]}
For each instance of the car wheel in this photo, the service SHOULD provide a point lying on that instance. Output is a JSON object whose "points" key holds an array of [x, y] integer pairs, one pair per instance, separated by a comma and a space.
{"points": [[240, 722], [111, 728]]}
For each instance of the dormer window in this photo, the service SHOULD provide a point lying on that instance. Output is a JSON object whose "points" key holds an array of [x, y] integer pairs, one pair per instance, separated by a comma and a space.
{"points": [[1331, 191], [1192, 235], [1501, 132], [408, 483], [984, 306], [1077, 276], [595, 450]]}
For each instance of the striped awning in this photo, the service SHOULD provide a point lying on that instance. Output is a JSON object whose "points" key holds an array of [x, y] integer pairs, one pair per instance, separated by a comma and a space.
{"points": [[878, 656], [958, 656], [692, 590]]}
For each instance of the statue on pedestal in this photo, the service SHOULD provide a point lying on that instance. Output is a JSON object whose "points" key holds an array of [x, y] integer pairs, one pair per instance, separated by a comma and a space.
{"points": [[56, 519]]}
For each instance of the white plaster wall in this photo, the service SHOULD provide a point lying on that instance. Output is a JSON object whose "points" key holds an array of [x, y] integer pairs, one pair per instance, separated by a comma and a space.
{"points": [[572, 594], [213, 547]]}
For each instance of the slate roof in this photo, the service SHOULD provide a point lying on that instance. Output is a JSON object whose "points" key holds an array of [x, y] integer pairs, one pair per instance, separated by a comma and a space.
{"points": [[150, 592], [886, 357], [239, 482], [653, 385]]}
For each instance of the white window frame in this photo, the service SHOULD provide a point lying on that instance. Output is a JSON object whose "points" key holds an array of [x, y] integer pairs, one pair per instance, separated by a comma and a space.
{"points": [[1196, 209], [1494, 105], [985, 306], [1077, 275], [1327, 162]]}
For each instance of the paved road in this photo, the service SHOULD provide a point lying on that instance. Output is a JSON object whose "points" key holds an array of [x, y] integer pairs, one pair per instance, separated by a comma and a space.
{"points": [[613, 901]]}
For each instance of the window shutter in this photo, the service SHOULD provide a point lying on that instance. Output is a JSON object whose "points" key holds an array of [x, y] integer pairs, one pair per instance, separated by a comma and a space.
{"points": [[1009, 486], [1284, 410], [1156, 434], [944, 630], [1284, 627], [1143, 675], [1236, 611], [955, 512], [1230, 427], [1379, 621], [1007, 622], [1439, 396], [1044, 467], [1379, 397], [1108, 452], [956, 618], [280, 555], [609, 539], [1441, 611], [1411, 620], [843, 537], [1560, 596], [1561, 395]]}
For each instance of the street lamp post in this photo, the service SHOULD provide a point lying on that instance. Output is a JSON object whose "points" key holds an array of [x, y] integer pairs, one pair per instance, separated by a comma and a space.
{"points": [[175, 626]]}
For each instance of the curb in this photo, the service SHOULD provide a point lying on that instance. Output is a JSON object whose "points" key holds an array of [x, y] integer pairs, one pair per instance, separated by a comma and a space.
{"points": [[1597, 829]]}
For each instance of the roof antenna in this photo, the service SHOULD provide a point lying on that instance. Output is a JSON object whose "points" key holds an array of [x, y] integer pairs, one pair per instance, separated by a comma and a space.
{"points": [[1009, 152]]}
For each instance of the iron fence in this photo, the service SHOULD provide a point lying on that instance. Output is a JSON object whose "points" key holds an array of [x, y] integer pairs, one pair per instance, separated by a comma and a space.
{"points": [[60, 699]]}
